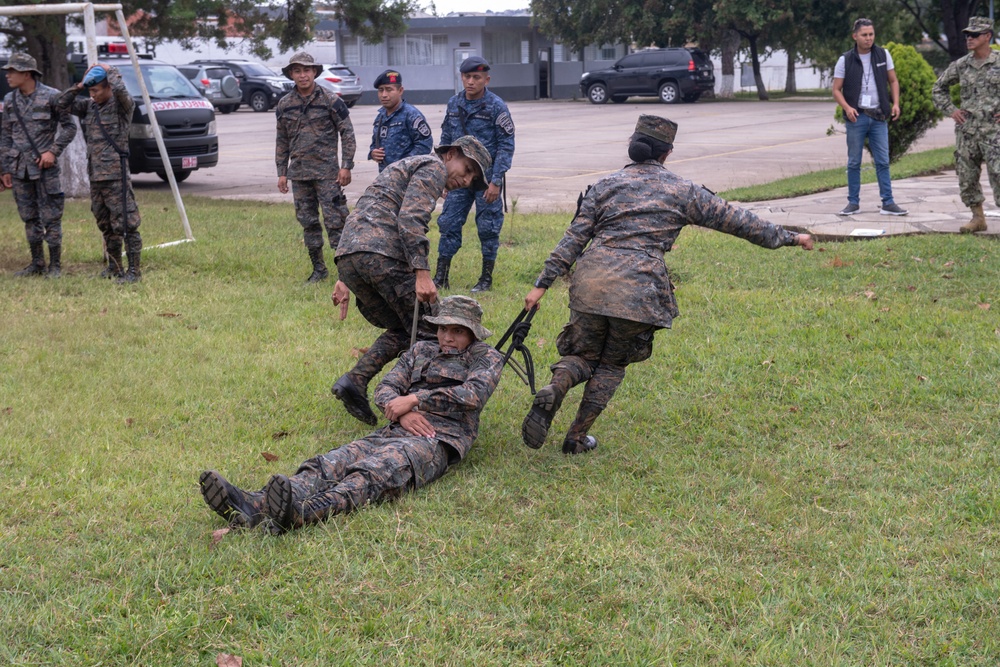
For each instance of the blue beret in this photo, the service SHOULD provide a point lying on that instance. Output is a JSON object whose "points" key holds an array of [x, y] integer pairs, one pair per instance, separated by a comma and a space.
{"points": [[95, 76], [390, 76], [474, 64]]}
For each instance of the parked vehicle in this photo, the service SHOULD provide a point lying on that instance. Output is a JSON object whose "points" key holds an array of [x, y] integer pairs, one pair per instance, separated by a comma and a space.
{"points": [[671, 74], [341, 81], [261, 87], [186, 119], [217, 84]]}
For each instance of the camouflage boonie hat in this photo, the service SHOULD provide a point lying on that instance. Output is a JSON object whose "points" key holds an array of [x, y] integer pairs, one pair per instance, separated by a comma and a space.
{"points": [[475, 151], [464, 311], [979, 24], [22, 62], [301, 58], [657, 128]]}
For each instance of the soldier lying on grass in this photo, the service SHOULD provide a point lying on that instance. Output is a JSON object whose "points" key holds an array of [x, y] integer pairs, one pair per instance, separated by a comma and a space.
{"points": [[432, 399]]}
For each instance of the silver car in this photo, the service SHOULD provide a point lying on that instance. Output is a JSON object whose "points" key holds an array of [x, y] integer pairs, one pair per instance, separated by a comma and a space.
{"points": [[341, 81], [217, 84]]}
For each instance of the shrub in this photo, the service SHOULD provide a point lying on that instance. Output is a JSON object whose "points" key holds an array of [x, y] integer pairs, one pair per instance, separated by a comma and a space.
{"points": [[917, 111]]}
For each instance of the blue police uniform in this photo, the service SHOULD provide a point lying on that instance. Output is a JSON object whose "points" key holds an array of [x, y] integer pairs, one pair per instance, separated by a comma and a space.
{"points": [[402, 133], [488, 120]]}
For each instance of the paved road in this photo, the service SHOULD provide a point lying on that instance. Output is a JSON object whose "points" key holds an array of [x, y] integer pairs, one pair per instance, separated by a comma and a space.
{"points": [[563, 146]]}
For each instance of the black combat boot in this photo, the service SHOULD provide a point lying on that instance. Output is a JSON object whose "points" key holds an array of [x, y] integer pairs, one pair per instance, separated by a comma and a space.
{"points": [[320, 271], [37, 266], [288, 509], [240, 508], [134, 255], [55, 261], [441, 275], [485, 283], [354, 396], [114, 250], [566, 374]]}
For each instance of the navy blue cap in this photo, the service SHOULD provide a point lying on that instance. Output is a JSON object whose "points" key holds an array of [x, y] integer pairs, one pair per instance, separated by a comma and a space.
{"points": [[390, 76], [474, 64]]}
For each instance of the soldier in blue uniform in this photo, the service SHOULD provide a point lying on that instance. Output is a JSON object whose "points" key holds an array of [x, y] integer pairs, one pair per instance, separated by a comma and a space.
{"points": [[400, 130], [479, 113]]}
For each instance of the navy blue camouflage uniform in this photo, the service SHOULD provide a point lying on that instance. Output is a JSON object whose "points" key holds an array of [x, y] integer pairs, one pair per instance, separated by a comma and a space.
{"points": [[488, 120], [403, 133]]}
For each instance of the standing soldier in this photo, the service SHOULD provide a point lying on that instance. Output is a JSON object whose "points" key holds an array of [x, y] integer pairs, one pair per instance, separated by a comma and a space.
{"points": [[310, 120], [620, 293], [400, 130], [106, 119], [976, 122], [33, 134], [382, 256], [483, 115]]}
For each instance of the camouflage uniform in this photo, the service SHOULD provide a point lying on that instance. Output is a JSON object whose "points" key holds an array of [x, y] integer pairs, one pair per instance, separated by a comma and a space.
{"points": [[384, 242], [306, 153], [976, 140], [488, 120], [453, 389], [38, 192], [620, 293], [104, 166], [402, 133]]}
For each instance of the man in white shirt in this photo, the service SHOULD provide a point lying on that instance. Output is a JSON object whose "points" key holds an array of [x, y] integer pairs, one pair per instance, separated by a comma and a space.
{"points": [[866, 88]]}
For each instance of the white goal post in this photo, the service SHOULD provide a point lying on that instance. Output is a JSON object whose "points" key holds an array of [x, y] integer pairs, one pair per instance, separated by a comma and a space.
{"points": [[88, 10]]}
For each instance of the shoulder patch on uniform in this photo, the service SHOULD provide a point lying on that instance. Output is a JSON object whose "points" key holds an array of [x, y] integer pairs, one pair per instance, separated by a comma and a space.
{"points": [[341, 108], [505, 122], [421, 126]]}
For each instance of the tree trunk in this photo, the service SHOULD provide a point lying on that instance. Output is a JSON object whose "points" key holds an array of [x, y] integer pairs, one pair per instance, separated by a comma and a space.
{"points": [[954, 18], [730, 47], [755, 59], [790, 87]]}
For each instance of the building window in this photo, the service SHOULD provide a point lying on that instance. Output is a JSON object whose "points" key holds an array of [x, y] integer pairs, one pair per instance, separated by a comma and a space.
{"points": [[358, 52], [507, 48], [418, 50], [563, 54], [604, 52]]}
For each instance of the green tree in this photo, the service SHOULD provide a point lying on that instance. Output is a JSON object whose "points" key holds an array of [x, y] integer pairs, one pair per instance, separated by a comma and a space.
{"points": [[289, 21], [948, 16], [917, 111]]}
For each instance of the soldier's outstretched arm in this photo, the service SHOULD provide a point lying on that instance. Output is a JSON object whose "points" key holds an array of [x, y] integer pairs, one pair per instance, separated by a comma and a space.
{"points": [[707, 210]]}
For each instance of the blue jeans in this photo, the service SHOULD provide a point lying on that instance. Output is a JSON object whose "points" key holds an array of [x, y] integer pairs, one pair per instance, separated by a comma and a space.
{"points": [[877, 132]]}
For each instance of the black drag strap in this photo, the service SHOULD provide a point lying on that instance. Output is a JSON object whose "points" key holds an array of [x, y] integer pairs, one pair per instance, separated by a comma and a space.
{"points": [[517, 332]]}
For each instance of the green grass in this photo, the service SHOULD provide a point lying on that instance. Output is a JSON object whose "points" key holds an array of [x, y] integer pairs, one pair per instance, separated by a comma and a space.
{"points": [[805, 472], [912, 164]]}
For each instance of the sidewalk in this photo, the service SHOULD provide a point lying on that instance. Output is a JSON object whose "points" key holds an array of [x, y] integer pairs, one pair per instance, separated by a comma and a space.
{"points": [[932, 201]]}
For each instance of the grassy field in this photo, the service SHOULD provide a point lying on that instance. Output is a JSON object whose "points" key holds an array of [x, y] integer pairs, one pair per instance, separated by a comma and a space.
{"points": [[805, 473], [909, 165]]}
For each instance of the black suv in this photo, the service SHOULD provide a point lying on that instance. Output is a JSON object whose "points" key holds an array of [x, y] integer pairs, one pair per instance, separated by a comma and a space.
{"points": [[670, 74], [261, 87]]}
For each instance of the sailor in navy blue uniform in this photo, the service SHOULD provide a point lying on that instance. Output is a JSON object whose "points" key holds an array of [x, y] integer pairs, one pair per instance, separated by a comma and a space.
{"points": [[479, 113], [400, 130]]}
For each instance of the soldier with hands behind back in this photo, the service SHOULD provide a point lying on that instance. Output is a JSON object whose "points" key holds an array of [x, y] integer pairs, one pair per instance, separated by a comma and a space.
{"points": [[310, 122]]}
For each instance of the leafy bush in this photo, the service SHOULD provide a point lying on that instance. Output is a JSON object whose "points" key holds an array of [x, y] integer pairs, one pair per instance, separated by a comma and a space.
{"points": [[917, 111]]}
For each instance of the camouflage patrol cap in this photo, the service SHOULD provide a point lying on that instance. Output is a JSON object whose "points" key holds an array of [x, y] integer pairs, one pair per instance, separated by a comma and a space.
{"points": [[475, 151], [22, 62], [656, 127], [979, 24], [301, 58], [464, 311]]}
